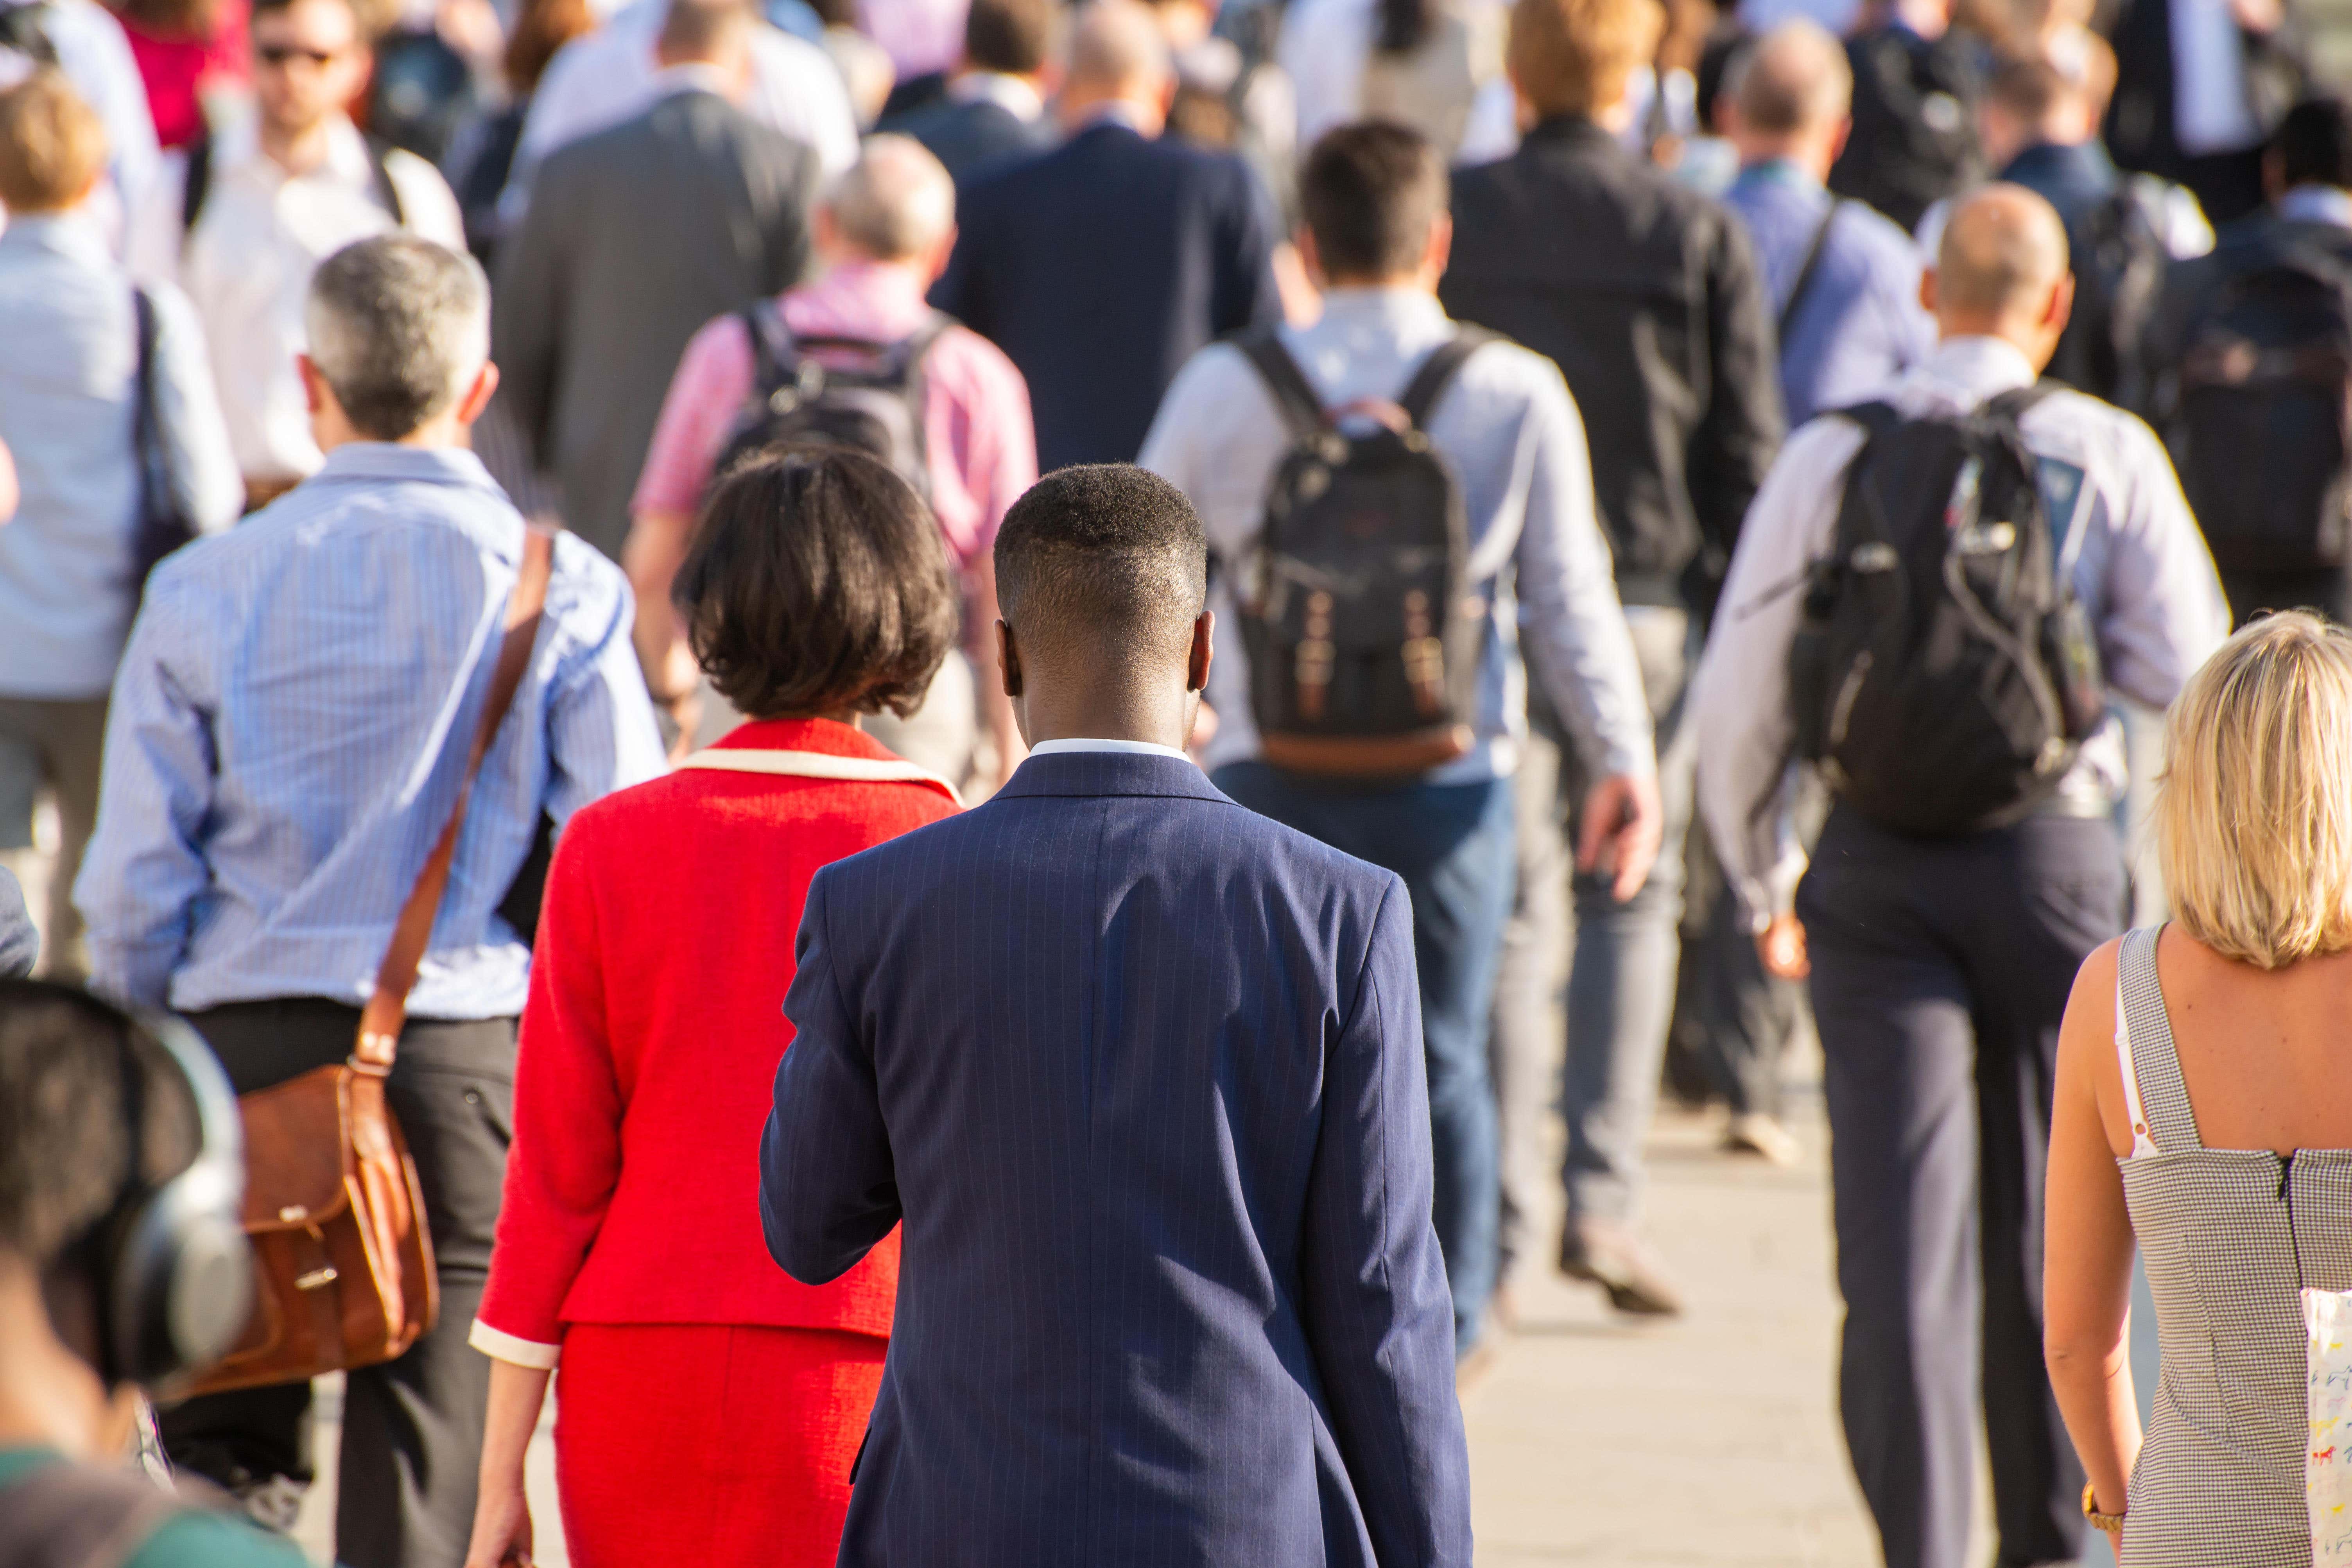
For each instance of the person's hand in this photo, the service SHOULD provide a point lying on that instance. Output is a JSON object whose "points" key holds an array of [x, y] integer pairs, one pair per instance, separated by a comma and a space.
{"points": [[1622, 823], [1782, 946], [501, 1528], [2262, 18]]}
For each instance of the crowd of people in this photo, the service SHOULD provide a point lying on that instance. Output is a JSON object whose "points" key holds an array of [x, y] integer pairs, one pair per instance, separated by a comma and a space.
{"points": [[954, 1015]]}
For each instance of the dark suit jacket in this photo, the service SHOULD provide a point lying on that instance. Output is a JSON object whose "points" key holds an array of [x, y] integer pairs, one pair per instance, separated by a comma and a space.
{"points": [[2140, 127], [636, 237], [1649, 297], [20, 945], [1100, 269], [1142, 1071], [973, 138]]}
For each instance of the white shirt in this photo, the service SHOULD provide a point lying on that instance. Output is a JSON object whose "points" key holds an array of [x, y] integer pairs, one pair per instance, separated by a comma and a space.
{"points": [[1130, 748], [2140, 571], [613, 73], [247, 268], [1012, 94], [2210, 110]]}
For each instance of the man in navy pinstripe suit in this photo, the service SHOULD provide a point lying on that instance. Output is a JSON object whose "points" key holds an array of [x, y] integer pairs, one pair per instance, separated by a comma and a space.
{"points": [[1140, 1072]]}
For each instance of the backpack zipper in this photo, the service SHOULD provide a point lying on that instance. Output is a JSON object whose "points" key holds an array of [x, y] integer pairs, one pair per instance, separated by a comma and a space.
{"points": [[1841, 711]]}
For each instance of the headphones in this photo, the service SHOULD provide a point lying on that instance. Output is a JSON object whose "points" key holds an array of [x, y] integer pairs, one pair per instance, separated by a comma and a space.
{"points": [[168, 1266]]}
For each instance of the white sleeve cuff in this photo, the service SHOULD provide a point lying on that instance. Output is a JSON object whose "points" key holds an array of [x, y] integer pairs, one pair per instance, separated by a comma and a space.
{"points": [[505, 1347]]}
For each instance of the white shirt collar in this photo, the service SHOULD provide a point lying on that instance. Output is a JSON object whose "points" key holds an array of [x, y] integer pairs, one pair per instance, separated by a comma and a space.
{"points": [[1009, 93], [688, 76], [1981, 368], [2317, 204], [1132, 748]]}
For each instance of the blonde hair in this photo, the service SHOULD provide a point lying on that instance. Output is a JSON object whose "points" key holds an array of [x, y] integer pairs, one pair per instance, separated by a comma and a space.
{"points": [[52, 144], [1575, 56], [2254, 814]]}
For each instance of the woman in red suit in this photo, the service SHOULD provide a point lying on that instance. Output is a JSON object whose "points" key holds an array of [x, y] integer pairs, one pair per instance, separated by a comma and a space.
{"points": [[709, 1407]]}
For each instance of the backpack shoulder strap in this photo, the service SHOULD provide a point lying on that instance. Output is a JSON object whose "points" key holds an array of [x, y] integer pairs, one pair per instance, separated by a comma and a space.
{"points": [[1302, 408], [775, 356], [2012, 405], [380, 176], [197, 184], [1875, 418], [1808, 267], [1437, 371]]}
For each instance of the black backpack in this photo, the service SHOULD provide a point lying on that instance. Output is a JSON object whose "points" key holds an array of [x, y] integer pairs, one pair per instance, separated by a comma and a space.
{"points": [[1914, 140], [163, 524], [2257, 426], [873, 403], [1363, 660], [2120, 258], [1943, 673]]}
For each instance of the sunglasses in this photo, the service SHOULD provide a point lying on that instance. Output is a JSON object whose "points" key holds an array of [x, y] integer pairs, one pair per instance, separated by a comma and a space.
{"points": [[280, 53]]}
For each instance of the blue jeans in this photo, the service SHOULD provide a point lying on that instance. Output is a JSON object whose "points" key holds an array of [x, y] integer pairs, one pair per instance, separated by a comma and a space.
{"points": [[1452, 846]]}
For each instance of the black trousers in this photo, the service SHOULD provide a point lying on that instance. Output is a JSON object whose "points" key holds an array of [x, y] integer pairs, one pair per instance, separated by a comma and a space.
{"points": [[1941, 968], [2327, 591], [411, 1439]]}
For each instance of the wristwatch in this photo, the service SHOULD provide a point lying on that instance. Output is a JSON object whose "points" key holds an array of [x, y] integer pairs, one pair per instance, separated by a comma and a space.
{"points": [[2110, 1523]]}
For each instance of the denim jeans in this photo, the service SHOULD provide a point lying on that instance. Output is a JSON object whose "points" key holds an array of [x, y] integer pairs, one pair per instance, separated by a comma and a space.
{"points": [[1621, 986], [1452, 846]]}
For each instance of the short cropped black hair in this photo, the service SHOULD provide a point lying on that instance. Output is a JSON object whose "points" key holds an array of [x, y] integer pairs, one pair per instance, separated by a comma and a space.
{"points": [[1015, 37], [817, 581], [1104, 556], [1369, 192], [2314, 144], [68, 1062]]}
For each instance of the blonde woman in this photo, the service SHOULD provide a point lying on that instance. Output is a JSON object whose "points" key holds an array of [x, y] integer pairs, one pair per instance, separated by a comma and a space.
{"points": [[2204, 1112]]}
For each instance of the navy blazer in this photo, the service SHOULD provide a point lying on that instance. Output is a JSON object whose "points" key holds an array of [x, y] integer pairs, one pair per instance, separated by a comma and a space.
{"points": [[974, 137], [1141, 1071], [1099, 269]]}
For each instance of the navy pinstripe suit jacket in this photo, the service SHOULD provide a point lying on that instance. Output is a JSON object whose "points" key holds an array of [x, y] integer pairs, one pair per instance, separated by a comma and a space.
{"points": [[1141, 1071]]}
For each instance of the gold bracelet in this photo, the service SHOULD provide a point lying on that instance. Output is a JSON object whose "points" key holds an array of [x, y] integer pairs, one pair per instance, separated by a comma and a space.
{"points": [[2110, 1523]]}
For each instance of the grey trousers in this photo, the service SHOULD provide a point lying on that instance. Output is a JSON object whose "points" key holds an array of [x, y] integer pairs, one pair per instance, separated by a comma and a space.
{"points": [[55, 745], [1598, 1045], [1941, 968], [412, 1441]]}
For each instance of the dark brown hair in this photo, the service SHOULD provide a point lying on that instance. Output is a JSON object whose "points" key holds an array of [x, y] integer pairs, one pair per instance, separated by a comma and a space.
{"points": [[543, 27], [1369, 192], [1015, 36], [817, 581]]}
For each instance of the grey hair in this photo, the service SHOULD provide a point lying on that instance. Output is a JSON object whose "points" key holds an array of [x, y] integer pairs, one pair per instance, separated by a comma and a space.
{"points": [[1116, 44], [398, 326], [897, 201]]}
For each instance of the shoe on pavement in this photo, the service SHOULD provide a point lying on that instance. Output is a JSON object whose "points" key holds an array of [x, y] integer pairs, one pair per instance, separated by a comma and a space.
{"points": [[1621, 1264], [1764, 1138]]}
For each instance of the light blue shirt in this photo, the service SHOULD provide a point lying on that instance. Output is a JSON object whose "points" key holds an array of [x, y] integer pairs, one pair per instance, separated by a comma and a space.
{"points": [[291, 722], [68, 397], [1860, 324], [1512, 433]]}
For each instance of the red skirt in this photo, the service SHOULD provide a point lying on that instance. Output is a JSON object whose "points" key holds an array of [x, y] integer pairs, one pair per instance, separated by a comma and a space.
{"points": [[714, 1445]]}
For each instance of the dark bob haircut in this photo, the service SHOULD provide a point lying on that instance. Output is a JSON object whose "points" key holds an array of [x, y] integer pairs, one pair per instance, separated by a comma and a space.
{"points": [[817, 581]]}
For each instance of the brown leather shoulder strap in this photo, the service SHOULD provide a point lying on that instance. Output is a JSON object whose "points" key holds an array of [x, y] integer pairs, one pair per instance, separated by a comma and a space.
{"points": [[387, 1008]]}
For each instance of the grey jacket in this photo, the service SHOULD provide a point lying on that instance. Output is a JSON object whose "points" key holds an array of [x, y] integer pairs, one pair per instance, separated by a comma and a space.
{"points": [[635, 238]]}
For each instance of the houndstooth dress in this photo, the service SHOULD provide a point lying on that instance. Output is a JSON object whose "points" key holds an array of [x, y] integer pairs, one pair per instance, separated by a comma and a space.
{"points": [[2228, 1237]]}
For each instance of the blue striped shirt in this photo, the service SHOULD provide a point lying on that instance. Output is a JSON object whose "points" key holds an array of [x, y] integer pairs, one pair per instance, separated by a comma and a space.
{"points": [[289, 727]]}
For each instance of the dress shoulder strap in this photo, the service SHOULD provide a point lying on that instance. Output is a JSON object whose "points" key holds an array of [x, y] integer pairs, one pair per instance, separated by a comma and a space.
{"points": [[2162, 1120]]}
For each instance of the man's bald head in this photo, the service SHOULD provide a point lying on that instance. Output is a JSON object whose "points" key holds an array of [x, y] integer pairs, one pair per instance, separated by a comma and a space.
{"points": [[2002, 251], [896, 203], [1795, 77], [1118, 51]]}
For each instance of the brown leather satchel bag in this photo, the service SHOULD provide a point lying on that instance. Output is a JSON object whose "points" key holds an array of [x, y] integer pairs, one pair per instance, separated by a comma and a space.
{"points": [[342, 1260]]}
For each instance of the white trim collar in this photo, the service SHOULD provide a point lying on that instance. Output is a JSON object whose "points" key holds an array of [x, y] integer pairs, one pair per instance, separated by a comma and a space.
{"points": [[1131, 748]]}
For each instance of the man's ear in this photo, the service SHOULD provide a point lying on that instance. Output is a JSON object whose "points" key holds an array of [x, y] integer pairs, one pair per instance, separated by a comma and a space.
{"points": [[314, 385], [1928, 290], [1008, 658], [1204, 637], [2061, 303], [477, 393]]}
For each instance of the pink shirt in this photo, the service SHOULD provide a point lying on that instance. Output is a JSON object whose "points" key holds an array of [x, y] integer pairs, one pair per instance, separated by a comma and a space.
{"points": [[920, 37], [976, 428]]}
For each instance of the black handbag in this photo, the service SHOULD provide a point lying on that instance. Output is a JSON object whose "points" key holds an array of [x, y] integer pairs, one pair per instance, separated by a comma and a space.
{"points": [[164, 524]]}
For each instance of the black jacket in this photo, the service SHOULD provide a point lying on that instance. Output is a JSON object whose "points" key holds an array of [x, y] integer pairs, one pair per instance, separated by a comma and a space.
{"points": [[1649, 297], [1099, 269], [1915, 134], [2140, 127]]}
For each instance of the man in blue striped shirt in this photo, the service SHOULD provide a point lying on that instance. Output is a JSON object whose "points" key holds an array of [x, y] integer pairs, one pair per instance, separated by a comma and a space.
{"points": [[288, 729]]}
